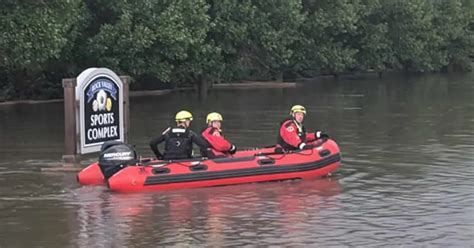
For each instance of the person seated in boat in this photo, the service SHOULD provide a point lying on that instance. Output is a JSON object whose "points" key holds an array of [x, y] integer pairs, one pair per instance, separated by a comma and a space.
{"points": [[292, 134], [178, 140], [219, 146]]}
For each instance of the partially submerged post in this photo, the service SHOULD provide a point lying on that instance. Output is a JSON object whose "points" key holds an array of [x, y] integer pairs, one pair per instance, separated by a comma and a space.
{"points": [[126, 106], [203, 88], [96, 110], [70, 156]]}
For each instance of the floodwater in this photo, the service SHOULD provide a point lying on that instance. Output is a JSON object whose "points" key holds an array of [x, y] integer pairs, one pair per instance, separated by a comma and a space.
{"points": [[406, 180]]}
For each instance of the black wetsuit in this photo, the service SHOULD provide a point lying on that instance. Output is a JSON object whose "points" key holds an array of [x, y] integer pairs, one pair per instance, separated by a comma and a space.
{"points": [[178, 143]]}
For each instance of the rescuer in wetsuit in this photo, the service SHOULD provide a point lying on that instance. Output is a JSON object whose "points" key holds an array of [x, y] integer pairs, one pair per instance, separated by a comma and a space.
{"points": [[178, 140], [219, 146], [292, 134]]}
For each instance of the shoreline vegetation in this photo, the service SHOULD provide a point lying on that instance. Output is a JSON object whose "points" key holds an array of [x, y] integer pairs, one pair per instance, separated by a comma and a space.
{"points": [[205, 44], [139, 93], [242, 85]]}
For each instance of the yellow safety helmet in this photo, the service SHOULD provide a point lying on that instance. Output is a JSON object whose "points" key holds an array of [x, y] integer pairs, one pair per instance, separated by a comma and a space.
{"points": [[297, 108], [214, 116], [184, 115]]}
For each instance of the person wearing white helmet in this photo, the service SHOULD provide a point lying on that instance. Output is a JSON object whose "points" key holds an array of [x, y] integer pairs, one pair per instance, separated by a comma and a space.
{"points": [[220, 147], [292, 134], [178, 140]]}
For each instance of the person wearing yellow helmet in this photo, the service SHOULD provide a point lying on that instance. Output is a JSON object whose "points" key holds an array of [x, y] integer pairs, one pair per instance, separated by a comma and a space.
{"points": [[292, 134], [220, 147], [179, 139]]}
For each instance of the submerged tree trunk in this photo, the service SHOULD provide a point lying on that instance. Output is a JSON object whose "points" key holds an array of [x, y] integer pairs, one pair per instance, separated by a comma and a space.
{"points": [[203, 87], [279, 76], [450, 68]]}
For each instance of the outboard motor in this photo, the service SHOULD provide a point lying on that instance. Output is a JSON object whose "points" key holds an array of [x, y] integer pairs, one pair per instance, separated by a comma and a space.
{"points": [[114, 156]]}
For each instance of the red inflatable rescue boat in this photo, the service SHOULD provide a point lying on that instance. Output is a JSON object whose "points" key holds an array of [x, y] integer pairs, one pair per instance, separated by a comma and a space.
{"points": [[246, 167], [91, 175], [267, 164]]}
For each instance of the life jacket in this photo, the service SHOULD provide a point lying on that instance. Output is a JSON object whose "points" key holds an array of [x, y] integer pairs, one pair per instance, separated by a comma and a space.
{"points": [[211, 152], [301, 130], [178, 144]]}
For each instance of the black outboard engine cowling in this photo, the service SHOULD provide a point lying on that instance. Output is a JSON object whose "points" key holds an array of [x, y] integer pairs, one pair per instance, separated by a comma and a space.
{"points": [[114, 156]]}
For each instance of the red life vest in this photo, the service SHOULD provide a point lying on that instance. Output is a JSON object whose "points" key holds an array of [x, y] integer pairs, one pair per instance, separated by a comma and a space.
{"points": [[218, 144]]}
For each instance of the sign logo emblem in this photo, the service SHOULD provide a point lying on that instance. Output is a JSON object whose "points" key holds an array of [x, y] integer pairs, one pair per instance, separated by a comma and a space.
{"points": [[100, 88]]}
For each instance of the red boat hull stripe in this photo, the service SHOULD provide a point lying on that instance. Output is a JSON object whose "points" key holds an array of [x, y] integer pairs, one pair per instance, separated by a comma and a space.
{"points": [[264, 170]]}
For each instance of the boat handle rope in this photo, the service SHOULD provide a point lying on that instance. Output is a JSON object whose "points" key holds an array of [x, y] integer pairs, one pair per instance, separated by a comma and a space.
{"points": [[165, 163]]}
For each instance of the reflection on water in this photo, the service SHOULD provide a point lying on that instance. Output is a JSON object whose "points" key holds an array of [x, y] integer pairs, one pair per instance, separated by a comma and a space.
{"points": [[215, 217], [407, 175]]}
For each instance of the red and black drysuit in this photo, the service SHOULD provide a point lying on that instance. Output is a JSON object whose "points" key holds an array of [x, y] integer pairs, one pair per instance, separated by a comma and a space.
{"points": [[292, 135], [219, 146]]}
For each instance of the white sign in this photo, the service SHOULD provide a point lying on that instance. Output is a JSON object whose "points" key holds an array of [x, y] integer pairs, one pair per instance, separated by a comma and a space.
{"points": [[99, 92]]}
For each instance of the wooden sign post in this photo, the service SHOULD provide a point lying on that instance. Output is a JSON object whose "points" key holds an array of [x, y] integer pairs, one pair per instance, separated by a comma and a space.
{"points": [[96, 110]]}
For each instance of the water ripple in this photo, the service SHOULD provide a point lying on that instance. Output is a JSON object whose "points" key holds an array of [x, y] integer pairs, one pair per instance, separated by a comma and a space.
{"points": [[406, 180]]}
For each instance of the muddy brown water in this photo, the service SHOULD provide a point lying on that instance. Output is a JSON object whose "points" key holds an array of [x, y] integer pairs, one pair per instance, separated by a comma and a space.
{"points": [[407, 176]]}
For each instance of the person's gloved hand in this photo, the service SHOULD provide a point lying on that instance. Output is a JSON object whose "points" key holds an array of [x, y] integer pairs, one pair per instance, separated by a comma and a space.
{"points": [[304, 146], [233, 149], [321, 135]]}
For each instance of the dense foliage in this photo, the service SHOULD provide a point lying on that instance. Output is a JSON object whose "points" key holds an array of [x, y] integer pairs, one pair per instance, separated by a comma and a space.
{"points": [[187, 42]]}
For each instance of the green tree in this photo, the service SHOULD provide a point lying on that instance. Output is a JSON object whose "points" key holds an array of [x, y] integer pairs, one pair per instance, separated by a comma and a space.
{"points": [[328, 34], [454, 23], [274, 34], [372, 40], [194, 42], [413, 38], [34, 33], [152, 37], [230, 29], [257, 38]]}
